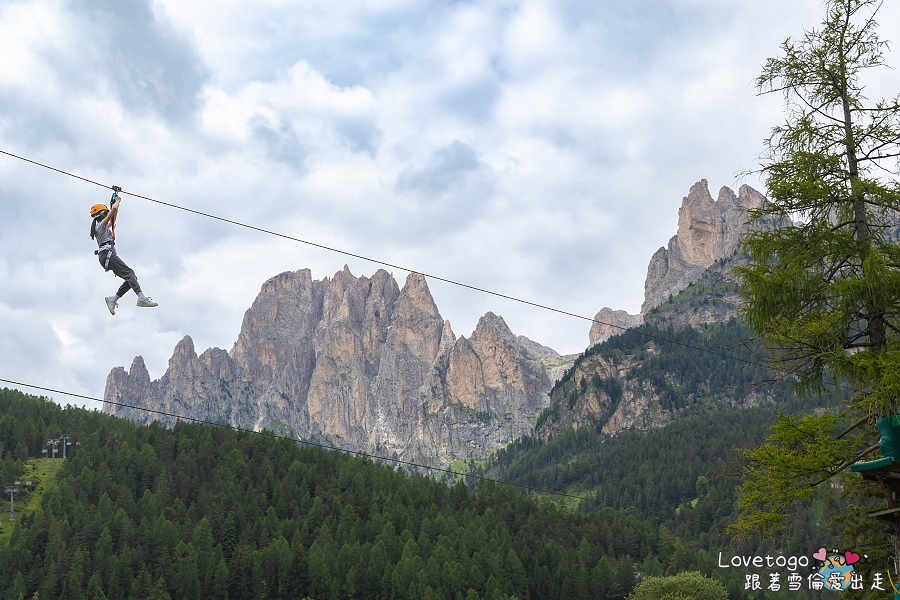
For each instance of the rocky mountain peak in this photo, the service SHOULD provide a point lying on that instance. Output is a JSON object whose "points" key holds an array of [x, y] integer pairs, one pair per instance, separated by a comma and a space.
{"points": [[708, 231], [139, 370], [609, 322], [184, 352], [182, 358], [491, 323], [537, 349], [417, 323], [696, 271], [357, 361], [493, 338], [448, 339]]}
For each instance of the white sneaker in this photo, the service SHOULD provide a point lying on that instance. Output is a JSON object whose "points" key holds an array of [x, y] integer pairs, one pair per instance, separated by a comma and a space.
{"points": [[146, 302], [111, 304]]}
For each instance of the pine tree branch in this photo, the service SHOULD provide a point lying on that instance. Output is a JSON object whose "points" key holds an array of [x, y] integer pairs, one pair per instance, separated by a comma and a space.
{"points": [[851, 427]]}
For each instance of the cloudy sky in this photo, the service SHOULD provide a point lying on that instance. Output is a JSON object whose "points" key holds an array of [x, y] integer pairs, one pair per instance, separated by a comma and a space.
{"points": [[538, 149]]}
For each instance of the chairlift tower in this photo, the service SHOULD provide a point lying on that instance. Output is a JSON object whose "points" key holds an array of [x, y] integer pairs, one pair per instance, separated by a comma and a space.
{"points": [[12, 490], [65, 441], [54, 444]]}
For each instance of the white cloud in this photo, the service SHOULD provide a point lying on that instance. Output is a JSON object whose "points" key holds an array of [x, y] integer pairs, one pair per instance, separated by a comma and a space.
{"points": [[534, 40], [33, 351], [301, 101], [27, 30], [539, 149]]}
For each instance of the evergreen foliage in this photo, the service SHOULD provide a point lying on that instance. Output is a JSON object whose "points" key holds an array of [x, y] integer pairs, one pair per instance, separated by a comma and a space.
{"points": [[655, 475], [823, 285], [690, 585], [674, 365], [198, 511]]}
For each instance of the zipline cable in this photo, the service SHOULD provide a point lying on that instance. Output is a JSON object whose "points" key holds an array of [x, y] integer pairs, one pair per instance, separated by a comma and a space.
{"points": [[393, 266], [785, 372]]}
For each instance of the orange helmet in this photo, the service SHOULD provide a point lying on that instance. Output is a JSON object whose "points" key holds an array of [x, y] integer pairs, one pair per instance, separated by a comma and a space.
{"points": [[98, 208]]}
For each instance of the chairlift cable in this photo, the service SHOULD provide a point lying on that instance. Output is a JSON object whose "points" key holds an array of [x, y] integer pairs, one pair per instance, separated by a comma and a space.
{"points": [[527, 488], [305, 442]]}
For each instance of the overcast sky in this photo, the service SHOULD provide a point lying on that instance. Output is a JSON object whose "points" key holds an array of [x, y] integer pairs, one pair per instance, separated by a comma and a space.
{"points": [[537, 149]]}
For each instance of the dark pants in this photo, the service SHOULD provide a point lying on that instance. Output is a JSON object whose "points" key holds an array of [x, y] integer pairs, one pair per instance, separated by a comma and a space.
{"points": [[120, 269]]}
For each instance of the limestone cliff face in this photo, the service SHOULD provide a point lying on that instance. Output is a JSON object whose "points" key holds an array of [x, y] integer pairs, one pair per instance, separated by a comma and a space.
{"points": [[356, 361], [628, 405], [708, 231], [709, 237], [556, 364], [690, 283], [609, 322], [611, 390]]}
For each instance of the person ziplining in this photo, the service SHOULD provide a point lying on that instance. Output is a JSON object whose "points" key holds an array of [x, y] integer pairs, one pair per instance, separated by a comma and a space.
{"points": [[103, 230]]}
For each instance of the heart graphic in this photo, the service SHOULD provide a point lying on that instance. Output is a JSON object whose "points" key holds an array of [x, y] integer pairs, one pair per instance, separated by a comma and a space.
{"points": [[851, 557], [821, 554]]}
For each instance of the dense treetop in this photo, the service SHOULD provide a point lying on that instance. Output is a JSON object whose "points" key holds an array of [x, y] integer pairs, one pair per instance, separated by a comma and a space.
{"points": [[197, 511]]}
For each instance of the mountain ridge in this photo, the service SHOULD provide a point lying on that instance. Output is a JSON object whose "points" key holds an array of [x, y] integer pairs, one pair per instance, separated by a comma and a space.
{"points": [[356, 361], [364, 364], [709, 232]]}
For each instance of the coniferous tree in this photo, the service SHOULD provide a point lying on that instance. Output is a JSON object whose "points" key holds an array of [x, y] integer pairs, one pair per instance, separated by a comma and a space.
{"points": [[690, 585], [823, 283]]}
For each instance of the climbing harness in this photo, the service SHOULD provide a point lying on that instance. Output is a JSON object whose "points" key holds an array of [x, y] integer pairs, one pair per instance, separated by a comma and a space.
{"points": [[108, 248], [96, 213]]}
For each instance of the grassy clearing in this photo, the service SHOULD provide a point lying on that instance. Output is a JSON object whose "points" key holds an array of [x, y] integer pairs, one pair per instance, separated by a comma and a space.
{"points": [[280, 429], [460, 465], [693, 504], [463, 465], [39, 472]]}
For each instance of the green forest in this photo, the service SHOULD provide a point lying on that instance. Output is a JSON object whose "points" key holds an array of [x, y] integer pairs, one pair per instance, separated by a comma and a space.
{"points": [[208, 512], [681, 477], [199, 511], [678, 366], [748, 442]]}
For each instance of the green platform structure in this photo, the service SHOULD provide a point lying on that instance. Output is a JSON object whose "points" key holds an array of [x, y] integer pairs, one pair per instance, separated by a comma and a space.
{"points": [[885, 471]]}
